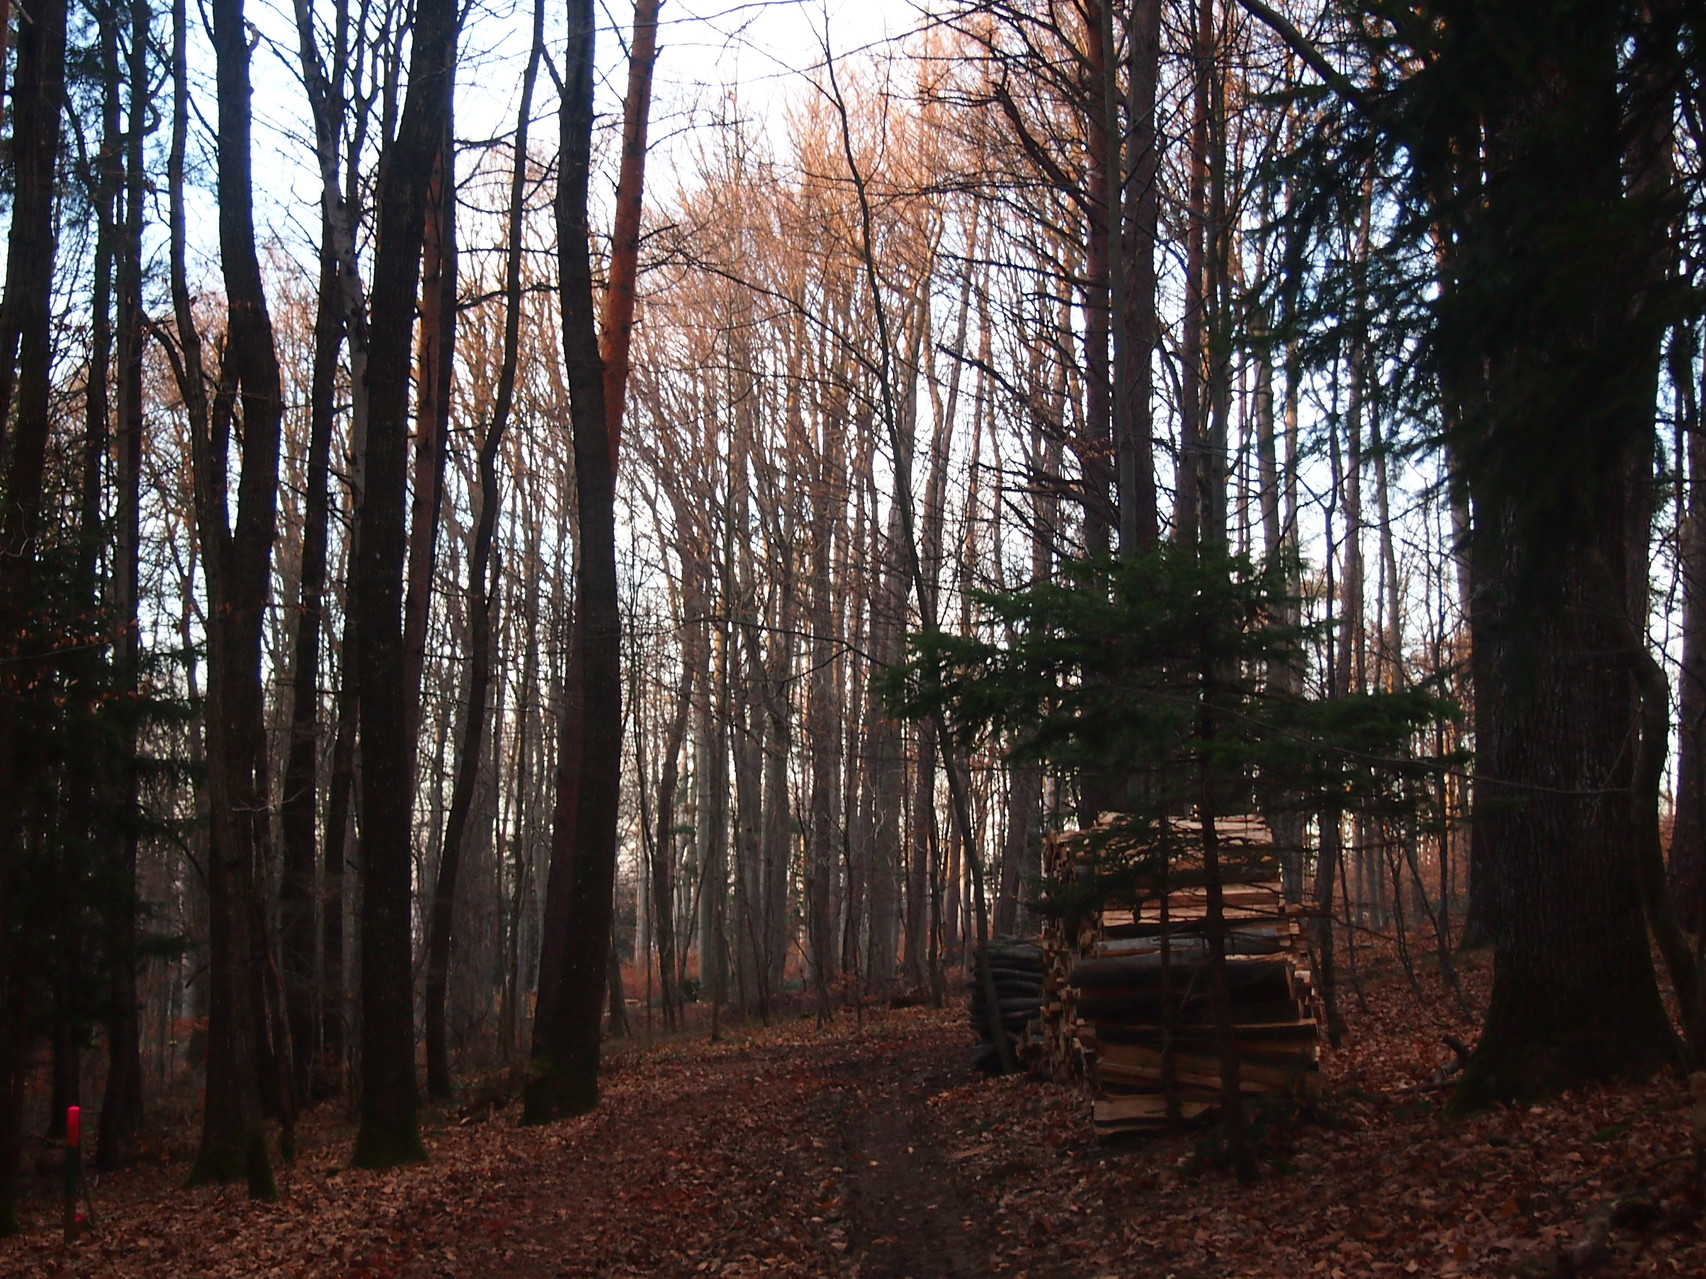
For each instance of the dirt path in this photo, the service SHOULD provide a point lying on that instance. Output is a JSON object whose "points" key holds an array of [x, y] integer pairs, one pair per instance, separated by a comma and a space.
{"points": [[908, 1212], [871, 1152], [795, 1152]]}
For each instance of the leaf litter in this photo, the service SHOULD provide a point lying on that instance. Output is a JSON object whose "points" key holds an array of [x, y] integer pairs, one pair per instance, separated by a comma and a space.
{"points": [[869, 1149]]}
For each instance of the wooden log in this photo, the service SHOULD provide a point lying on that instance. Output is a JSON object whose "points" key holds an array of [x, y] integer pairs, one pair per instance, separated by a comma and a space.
{"points": [[1135, 1064], [1251, 979], [1007, 1007], [1253, 1042], [1144, 1008], [1189, 943], [1150, 1109], [1110, 1077]]}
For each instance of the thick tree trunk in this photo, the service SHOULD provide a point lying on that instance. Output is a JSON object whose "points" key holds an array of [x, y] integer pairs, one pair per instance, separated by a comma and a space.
{"points": [[238, 581], [1574, 996], [1546, 288], [563, 1078], [26, 353], [389, 1133]]}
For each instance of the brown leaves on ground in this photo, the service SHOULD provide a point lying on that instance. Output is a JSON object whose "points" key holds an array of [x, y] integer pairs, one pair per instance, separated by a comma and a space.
{"points": [[870, 1150]]}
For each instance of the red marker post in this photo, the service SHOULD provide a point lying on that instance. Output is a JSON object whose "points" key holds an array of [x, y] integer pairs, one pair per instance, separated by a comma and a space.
{"points": [[73, 1170]]}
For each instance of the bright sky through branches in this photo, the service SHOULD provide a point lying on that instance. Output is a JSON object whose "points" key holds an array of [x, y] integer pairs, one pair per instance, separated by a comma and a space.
{"points": [[712, 52]]}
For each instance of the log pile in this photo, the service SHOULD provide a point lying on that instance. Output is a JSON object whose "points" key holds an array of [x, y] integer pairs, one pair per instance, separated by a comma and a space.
{"points": [[1049, 1047], [1118, 1009], [1017, 964]]}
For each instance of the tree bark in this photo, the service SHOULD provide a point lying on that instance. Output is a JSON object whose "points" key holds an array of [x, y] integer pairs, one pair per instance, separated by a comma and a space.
{"points": [[481, 604], [121, 1103], [26, 353], [432, 420], [238, 560], [1135, 383], [1546, 287], [389, 1133], [563, 1078]]}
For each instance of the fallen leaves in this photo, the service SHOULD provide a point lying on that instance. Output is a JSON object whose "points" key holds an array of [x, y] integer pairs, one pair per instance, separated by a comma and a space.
{"points": [[873, 1151]]}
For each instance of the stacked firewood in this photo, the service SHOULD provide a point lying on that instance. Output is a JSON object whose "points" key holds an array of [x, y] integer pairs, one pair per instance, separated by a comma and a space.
{"points": [[1135, 1001], [1136, 1009], [1017, 966], [1049, 1048]]}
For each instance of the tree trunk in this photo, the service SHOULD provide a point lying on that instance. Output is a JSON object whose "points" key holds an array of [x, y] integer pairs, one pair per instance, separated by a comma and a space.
{"points": [[238, 580], [481, 605], [563, 1078], [298, 803], [1546, 290], [121, 1104], [432, 419], [1139, 520], [389, 1134], [1097, 447], [26, 354], [663, 846]]}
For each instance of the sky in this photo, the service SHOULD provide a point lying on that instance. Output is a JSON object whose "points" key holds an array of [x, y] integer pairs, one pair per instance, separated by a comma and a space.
{"points": [[758, 50]]}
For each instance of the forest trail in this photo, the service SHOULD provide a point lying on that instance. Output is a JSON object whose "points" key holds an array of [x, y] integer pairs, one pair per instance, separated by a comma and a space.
{"points": [[907, 1214], [869, 1150], [792, 1151]]}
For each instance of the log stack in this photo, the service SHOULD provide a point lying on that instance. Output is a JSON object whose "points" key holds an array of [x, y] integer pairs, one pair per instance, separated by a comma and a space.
{"points": [[1050, 1046], [1117, 1007], [1017, 964]]}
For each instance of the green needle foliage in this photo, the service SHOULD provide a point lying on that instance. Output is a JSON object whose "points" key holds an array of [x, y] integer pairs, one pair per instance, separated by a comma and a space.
{"points": [[1159, 673]]}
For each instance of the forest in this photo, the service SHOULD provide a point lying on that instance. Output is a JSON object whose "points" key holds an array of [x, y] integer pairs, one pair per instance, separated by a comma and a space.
{"points": [[526, 527]]}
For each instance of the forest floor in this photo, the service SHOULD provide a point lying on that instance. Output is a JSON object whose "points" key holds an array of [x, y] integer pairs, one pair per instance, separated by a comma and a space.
{"points": [[868, 1150]]}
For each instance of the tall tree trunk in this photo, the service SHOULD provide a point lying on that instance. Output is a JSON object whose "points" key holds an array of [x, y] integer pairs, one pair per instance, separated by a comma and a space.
{"points": [[1568, 408], [1103, 151], [1191, 474], [778, 806], [617, 317], [316, 1013], [711, 817], [564, 1075], [823, 730], [1139, 520], [26, 356], [389, 1133], [298, 802], [340, 792], [239, 562], [482, 592], [432, 419], [121, 1104]]}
